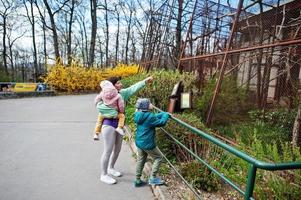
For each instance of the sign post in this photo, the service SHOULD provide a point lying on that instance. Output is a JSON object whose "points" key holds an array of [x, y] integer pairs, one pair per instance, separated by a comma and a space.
{"points": [[174, 104]]}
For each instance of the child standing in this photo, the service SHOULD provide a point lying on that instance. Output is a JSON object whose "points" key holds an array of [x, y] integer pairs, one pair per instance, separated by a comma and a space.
{"points": [[146, 123], [111, 98]]}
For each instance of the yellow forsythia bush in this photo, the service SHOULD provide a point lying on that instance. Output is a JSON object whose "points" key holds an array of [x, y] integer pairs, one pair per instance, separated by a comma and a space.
{"points": [[77, 78]]}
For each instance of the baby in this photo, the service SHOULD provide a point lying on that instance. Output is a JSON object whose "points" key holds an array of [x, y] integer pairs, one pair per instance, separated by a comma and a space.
{"points": [[111, 98]]}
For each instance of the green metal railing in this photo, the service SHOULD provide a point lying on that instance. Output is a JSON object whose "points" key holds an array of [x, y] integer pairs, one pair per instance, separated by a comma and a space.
{"points": [[254, 164]]}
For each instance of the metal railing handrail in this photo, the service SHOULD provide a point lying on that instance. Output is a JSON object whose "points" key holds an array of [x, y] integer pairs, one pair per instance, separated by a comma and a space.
{"points": [[254, 163]]}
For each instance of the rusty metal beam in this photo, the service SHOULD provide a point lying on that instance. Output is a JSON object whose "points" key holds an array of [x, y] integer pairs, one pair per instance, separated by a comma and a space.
{"points": [[240, 50], [281, 43], [223, 67]]}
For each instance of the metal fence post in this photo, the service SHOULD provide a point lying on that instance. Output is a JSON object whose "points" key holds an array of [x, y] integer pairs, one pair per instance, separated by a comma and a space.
{"points": [[250, 182]]}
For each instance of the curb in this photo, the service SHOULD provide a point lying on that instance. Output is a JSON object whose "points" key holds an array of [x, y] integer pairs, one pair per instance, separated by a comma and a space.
{"points": [[17, 95], [157, 190]]}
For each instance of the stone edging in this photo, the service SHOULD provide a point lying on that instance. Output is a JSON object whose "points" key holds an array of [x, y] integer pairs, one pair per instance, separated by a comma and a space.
{"points": [[157, 190], [16, 95]]}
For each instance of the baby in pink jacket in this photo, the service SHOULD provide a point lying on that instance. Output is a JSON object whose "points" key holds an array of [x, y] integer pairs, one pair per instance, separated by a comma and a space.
{"points": [[111, 98]]}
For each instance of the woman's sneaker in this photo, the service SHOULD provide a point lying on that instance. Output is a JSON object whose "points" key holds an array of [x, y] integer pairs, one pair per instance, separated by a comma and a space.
{"points": [[107, 179], [156, 181], [114, 172], [120, 131]]}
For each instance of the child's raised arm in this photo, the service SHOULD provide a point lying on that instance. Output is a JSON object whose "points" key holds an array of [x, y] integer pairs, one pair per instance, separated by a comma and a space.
{"points": [[159, 119]]}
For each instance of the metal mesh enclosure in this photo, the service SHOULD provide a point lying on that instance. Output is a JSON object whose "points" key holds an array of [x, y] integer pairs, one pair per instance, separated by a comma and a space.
{"points": [[257, 42]]}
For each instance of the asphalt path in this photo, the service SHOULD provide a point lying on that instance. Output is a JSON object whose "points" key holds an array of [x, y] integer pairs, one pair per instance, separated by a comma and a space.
{"points": [[47, 152]]}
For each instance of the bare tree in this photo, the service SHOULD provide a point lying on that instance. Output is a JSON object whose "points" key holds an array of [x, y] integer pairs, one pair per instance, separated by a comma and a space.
{"points": [[179, 29], [11, 42], [6, 9], [93, 8], [296, 140], [69, 42], [44, 28], [31, 19], [117, 32], [107, 32], [53, 26], [133, 49], [260, 56], [130, 7], [83, 36], [54, 31], [101, 54]]}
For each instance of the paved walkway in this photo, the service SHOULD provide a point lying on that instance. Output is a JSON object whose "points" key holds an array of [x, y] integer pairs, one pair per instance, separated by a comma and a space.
{"points": [[47, 152]]}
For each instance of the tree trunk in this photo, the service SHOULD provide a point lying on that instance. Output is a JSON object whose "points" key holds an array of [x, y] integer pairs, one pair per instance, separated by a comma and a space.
{"points": [[249, 73], [128, 35], [117, 36], [69, 42], [12, 63], [259, 59], [107, 34], [4, 46], [149, 40], [269, 63], [54, 33], [144, 44], [84, 38], [296, 140], [133, 60], [31, 20], [45, 47], [101, 54], [179, 29], [83, 46], [35, 58], [93, 7], [23, 71]]}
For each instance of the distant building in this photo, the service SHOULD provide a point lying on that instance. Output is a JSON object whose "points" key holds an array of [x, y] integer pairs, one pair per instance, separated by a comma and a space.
{"points": [[284, 63]]}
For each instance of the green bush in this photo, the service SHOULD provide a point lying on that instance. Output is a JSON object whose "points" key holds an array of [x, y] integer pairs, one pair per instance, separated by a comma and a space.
{"points": [[274, 125], [231, 106], [200, 177], [269, 127], [4, 77], [161, 88]]}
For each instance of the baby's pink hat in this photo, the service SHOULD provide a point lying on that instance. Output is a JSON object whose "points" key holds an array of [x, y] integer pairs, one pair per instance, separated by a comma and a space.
{"points": [[110, 93]]}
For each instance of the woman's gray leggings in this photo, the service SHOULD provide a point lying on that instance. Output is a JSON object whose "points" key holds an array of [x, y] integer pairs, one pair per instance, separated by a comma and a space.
{"points": [[112, 146]]}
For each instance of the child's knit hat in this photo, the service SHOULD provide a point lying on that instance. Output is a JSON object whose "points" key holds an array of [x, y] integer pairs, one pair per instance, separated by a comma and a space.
{"points": [[143, 104]]}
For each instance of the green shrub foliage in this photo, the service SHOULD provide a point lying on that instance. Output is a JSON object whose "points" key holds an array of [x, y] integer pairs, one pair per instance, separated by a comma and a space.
{"points": [[161, 88], [200, 177], [231, 105], [277, 124]]}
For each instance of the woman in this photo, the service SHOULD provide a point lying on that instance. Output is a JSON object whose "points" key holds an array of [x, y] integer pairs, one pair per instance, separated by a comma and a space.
{"points": [[113, 140]]}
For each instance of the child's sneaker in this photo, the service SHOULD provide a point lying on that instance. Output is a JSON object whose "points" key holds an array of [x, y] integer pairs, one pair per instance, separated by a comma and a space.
{"points": [[120, 131], [139, 183], [155, 181], [95, 137], [107, 179]]}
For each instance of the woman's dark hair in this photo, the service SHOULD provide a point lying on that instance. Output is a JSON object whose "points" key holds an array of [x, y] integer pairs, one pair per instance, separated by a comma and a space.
{"points": [[114, 79]]}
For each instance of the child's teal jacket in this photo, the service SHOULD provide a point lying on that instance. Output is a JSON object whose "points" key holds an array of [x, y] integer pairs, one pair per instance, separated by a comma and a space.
{"points": [[146, 123]]}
